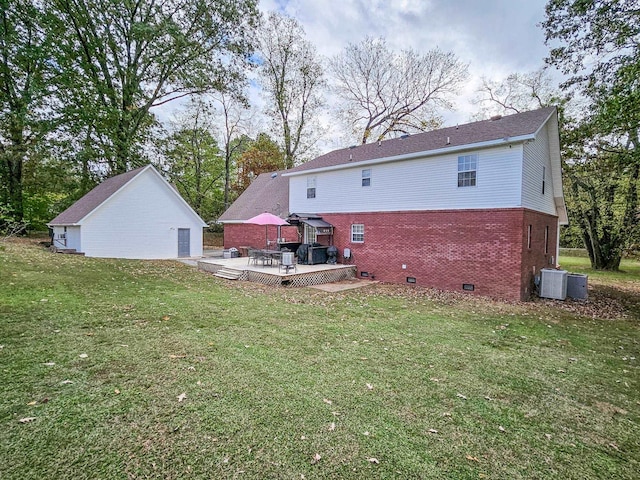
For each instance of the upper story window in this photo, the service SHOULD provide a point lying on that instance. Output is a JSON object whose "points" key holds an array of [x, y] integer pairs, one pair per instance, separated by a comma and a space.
{"points": [[311, 187], [544, 178], [467, 169], [357, 233], [366, 177]]}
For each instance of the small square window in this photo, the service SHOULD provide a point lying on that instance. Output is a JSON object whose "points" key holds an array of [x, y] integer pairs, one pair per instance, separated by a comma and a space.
{"points": [[366, 177], [357, 233], [311, 193], [467, 169]]}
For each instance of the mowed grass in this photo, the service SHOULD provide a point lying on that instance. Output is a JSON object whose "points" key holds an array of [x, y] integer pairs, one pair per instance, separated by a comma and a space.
{"points": [[133, 369]]}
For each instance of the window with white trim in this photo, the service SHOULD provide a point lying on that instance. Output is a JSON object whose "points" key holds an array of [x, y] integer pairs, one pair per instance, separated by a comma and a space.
{"points": [[467, 169], [311, 187], [544, 178], [357, 233], [366, 177]]}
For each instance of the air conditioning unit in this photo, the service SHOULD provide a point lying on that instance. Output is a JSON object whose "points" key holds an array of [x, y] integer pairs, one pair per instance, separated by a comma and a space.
{"points": [[553, 283]]}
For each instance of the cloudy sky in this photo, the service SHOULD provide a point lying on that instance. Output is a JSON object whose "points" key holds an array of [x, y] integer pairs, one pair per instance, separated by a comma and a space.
{"points": [[495, 37]]}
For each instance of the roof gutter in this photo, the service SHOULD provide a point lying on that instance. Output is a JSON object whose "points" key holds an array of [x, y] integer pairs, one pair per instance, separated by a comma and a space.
{"points": [[421, 154]]}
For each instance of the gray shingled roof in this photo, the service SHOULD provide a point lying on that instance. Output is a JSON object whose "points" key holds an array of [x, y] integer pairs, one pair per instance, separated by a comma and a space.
{"points": [[517, 125], [267, 193], [272, 194], [94, 198]]}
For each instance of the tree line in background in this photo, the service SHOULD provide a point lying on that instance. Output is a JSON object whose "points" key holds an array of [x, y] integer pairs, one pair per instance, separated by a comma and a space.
{"points": [[81, 82]]}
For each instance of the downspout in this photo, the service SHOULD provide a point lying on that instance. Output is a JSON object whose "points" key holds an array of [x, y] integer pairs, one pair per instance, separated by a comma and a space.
{"points": [[557, 259]]}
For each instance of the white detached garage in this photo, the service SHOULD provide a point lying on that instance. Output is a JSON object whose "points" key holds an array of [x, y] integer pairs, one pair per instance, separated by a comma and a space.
{"points": [[137, 214]]}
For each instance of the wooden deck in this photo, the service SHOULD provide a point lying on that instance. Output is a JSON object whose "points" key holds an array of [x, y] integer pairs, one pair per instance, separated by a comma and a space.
{"points": [[302, 276]]}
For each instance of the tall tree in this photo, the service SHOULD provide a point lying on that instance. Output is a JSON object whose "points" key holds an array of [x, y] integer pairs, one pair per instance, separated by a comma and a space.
{"points": [[233, 134], [263, 155], [597, 44], [193, 161], [121, 59], [387, 93], [516, 93], [25, 92], [293, 80]]}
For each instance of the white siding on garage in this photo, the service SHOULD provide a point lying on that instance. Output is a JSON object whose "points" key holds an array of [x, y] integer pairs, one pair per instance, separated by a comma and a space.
{"points": [[140, 221], [74, 239], [420, 184], [67, 237], [536, 160]]}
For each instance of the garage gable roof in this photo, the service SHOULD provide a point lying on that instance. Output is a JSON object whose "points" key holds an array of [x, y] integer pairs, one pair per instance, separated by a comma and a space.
{"points": [[103, 192]]}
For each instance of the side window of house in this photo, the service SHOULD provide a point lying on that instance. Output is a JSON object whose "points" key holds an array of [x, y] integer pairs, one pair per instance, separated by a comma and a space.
{"points": [[467, 169], [366, 177], [311, 187], [357, 233], [544, 178]]}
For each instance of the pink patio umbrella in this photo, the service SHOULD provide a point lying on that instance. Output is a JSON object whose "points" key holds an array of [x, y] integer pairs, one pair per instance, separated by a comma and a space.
{"points": [[267, 219]]}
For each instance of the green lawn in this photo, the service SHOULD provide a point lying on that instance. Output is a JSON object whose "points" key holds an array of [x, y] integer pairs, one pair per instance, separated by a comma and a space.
{"points": [[132, 369]]}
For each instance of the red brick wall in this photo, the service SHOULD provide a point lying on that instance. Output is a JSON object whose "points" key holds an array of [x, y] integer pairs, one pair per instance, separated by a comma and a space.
{"points": [[446, 249], [442, 249], [537, 256], [247, 235]]}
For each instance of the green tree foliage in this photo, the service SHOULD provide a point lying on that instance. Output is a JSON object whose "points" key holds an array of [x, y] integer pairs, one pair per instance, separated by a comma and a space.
{"points": [[293, 79], [261, 156], [597, 44], [25, 95], [194, 163], [121, 59], [233, 140]]}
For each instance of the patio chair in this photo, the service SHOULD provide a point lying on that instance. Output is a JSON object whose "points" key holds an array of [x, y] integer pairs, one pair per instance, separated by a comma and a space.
{"points": [[254, 255]]}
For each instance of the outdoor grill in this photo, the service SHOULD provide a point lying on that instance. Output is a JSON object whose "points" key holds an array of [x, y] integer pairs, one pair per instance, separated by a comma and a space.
{"points": [[332, 255]]}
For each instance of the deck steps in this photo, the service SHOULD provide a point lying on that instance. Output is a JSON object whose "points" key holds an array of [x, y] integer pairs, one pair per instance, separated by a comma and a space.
{"points": [[229, 273]]}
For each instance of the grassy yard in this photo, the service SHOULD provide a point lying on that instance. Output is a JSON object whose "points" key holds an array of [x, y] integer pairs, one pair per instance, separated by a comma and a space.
{"points": [[132, 369]]}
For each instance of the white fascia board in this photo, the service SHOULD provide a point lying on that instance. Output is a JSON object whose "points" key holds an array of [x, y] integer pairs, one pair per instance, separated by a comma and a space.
{"points": [[421, 154], [544, 124]]}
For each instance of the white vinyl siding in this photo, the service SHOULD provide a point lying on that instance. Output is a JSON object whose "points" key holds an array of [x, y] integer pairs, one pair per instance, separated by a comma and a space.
{"points": [[421, 184], [140, 221], [67, 237], [535, 163]]}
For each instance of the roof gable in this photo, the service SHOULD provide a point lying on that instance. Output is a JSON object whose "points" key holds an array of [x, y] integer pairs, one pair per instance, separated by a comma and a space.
{"points": [[101, 194]]}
